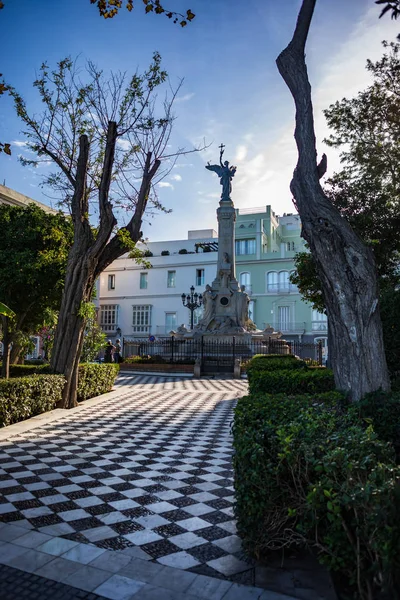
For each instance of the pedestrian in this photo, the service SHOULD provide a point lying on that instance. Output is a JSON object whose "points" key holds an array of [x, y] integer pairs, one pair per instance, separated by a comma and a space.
{"points": [[109, 352], [117, 352]]}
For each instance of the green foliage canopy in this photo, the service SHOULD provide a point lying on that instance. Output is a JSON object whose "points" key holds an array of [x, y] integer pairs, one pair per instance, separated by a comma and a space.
{"points": [[33, 259]]}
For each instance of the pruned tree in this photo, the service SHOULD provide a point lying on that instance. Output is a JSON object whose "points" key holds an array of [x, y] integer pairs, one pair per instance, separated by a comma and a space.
{"points": [[345, 266], [107, 137]]}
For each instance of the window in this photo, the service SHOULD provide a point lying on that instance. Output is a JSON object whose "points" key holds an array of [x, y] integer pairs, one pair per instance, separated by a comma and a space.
{"points": [[319, 321], [283, 318], [272, 282], [245, 279], [171, 279], [170, 321], [199, 276], [109, 317], [143, 281], [283, 281], [111, 282], [197, 315], [245, 246], [141, 321], [251, 310], [290, 246]]}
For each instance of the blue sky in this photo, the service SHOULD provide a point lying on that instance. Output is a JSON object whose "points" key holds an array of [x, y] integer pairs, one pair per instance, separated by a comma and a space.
{"points": [[232, 91]]}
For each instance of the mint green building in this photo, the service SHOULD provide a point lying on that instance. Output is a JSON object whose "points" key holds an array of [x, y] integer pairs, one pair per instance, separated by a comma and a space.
{"points": [[265, 248]]}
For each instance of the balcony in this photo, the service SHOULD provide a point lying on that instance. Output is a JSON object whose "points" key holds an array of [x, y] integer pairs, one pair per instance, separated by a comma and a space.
{"points": [[290, 328], [109, 327], [319, 326], [282, 288]]}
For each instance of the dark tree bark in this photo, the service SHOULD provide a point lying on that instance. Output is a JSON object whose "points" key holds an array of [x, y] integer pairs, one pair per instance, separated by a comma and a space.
{"points": [[345, 265], [89, 256], [5, 365]]}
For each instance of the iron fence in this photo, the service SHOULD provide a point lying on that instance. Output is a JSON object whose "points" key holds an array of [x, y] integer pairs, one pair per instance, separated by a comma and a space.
{"points": [[180, 350]]}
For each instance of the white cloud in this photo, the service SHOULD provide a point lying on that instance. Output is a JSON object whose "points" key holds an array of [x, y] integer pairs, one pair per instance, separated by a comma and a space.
{"points": [[176, 177], [124, 144], [19, 143], [241, 153], [165, 184], [184, 98]]}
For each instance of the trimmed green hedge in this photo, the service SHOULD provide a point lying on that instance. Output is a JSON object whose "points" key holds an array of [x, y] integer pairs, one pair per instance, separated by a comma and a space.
{"points": [[291, 381], [96, 379], [25, 370], [308, 471], [24, 397], [272, 362], [93, 378]]}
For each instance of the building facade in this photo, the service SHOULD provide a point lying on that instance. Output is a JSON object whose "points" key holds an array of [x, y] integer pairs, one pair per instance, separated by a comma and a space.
{"points": [[137, 302]]}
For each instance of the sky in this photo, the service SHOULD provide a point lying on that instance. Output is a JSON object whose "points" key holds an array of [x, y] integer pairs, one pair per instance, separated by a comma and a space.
{"points": [[232, 92]]}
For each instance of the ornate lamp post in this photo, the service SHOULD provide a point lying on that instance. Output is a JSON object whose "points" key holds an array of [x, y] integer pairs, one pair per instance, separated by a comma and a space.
{"points": [[192, 301]]}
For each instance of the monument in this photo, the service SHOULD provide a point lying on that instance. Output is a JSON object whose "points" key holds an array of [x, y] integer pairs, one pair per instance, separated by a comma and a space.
{"points": [[226, 305]]}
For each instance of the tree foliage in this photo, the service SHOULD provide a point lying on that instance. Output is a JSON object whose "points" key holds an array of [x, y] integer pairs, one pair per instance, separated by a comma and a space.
{"points": [[389, 5], [33, 261], [110, 8]]}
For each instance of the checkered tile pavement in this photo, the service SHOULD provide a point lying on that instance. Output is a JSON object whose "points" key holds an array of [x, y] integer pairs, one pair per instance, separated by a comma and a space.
{"points": [[149, 467]]}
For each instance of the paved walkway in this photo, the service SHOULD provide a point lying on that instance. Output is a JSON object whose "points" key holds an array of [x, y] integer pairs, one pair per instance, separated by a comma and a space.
{"points": [[130, 495]]}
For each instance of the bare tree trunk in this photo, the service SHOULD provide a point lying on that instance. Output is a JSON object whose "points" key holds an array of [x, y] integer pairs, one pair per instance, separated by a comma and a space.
{"points": [[5, 365], [89, 256], [15, 354], [345, 265]]}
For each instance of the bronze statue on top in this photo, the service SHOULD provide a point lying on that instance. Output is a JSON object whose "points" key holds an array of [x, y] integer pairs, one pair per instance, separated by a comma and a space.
{"points": [[225, 173]]}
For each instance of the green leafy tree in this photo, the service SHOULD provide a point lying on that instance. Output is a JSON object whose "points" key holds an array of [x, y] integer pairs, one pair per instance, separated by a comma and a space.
{"points": [[94, 339], [110, 8], [33, 261], [107, 139]]}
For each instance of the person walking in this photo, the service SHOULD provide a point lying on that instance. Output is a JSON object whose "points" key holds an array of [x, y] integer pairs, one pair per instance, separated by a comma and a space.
{"points": [[117, 351], [109, 352]]}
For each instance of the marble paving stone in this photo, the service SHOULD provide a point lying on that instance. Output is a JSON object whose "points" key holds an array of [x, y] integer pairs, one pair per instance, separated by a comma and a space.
{"points": [[119, 588], [228, 565], [83, 553], [30, 561], [179, 560], [57, 546], [87, 578]]}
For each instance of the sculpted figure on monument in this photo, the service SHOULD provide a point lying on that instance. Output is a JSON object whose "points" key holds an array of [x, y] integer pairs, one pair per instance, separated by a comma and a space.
{"points": [[242, 307], [225, 174], [209, 307]]}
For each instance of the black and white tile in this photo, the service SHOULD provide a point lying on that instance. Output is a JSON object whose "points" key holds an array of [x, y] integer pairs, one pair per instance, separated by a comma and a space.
{"points": [[149, 467]]}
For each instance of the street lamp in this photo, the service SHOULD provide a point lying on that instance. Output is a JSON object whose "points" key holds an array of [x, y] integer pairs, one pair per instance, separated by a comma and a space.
{"points": [[192, 301]]}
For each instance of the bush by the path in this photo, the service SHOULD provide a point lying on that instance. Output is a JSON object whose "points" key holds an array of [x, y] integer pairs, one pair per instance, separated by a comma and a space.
{"points": [[272, 362], [95, 379], [29, 369], [290, 380], [24, 397], [309, 471]]}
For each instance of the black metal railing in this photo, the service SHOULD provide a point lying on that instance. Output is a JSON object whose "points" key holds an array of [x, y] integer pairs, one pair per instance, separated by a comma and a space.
{"points": [[178, 350]]}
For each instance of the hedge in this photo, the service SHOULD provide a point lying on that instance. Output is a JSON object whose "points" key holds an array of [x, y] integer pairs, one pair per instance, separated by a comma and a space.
{"points": [[290, 381], [96, 379], [24, 397], [308, 472], [93, 378], [271, 362]]}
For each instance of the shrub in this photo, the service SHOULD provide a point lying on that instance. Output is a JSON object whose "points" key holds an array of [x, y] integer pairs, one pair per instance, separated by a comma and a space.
{"points": [[165, 253], [29, 369], [207, 249], [95, 379], [182, 251], [24, 397], [290, 381], [307, 473], [147, 253], [382, 410], [270, 362]]}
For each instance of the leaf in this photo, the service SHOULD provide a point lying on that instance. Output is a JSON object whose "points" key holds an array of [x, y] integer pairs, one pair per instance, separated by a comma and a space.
{"points": [[3, 88], [183, 23], [7, 149], [6, 311], [149, 8], [189, 15]]}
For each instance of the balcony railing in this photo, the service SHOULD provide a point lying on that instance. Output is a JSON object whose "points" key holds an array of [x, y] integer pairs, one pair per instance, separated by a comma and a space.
{"points": [[290, 327], [319, 325], [282, 288], [109, 327]]}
